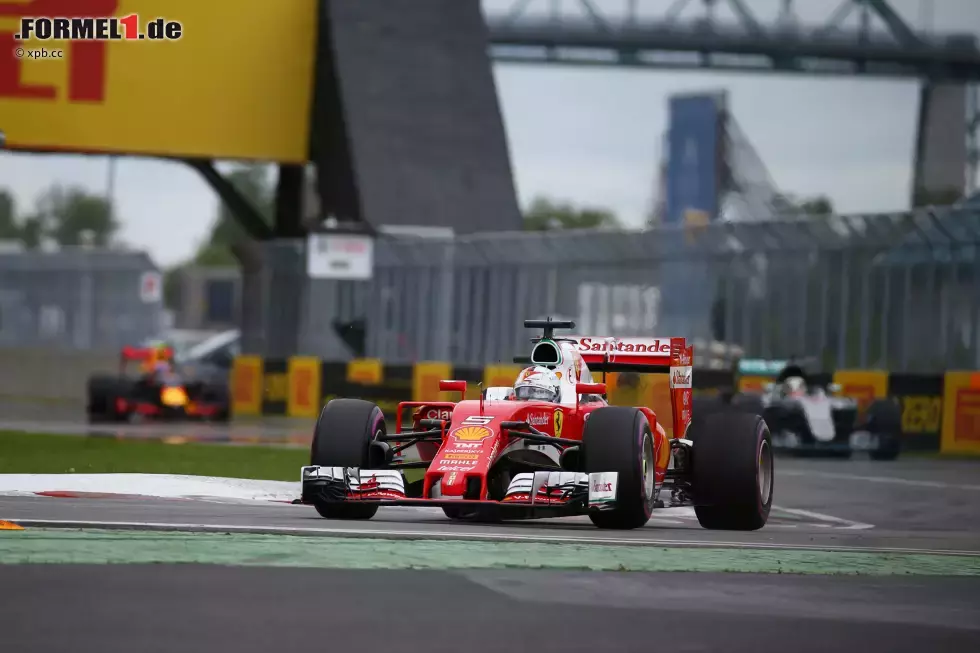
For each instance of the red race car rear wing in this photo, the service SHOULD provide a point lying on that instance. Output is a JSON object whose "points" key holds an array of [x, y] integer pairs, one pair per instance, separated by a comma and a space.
{"points": [[671, 356], [145, 353]]}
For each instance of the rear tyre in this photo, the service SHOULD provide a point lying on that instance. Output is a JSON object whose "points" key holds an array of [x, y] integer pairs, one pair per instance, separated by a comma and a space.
{"points": [[343, 433], [220, 395], [732, 471], [708, 404], [619, 439], [748, 403], [884, 419]]}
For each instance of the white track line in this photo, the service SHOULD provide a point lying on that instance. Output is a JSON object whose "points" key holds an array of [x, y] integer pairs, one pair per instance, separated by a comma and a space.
{"points": [[462, 535], [881, 479], [834, 522]]}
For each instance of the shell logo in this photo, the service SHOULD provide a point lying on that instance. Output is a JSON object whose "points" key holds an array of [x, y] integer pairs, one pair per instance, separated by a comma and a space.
{"points": [[472, 433]]}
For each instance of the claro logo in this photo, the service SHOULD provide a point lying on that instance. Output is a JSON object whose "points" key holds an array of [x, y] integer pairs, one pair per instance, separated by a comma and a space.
{"points": [[86, 59]]}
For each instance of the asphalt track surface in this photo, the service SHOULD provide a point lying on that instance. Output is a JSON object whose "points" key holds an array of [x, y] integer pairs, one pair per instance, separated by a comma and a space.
{"points": [[191, 608], [913, 503]]}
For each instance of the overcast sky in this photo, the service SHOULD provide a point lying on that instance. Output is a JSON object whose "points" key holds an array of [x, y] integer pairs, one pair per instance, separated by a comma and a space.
{"points": [[594, 137]]}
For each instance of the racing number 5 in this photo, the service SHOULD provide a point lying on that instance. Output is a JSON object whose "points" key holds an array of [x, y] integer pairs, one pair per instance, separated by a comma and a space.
{"points": [[477, 420]]}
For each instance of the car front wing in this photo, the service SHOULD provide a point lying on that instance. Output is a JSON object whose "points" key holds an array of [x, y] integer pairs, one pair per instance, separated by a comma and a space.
{"points": [[553, 492]]}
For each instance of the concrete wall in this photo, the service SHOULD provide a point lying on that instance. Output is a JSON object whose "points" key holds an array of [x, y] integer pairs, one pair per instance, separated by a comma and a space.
{"points": [[941, 143], [407, 103], [46, 374]]}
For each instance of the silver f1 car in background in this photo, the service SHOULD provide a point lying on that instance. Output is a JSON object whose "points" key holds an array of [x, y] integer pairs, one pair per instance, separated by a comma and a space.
{"points": [[805, 417]]}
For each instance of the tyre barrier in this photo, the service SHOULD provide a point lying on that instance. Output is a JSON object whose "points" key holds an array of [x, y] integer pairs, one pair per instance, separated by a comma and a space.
{"points": [[940, 412]]}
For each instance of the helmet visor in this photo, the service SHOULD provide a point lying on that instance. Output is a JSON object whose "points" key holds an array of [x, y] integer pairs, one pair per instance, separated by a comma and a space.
{"points": [[535, 393]]}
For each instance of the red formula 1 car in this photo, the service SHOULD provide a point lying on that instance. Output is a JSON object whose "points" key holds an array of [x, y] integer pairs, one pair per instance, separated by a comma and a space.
{"points": [[500, 457], [159, 392]]}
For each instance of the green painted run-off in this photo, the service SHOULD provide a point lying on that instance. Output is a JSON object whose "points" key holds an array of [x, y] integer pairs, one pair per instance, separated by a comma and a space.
{"points": [[70, 546]]}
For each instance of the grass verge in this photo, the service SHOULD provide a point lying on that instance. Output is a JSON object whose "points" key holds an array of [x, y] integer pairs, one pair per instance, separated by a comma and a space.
{"points": [[35, 453]]}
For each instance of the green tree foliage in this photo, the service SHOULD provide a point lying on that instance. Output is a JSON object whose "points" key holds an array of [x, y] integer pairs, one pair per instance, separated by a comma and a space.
{"points": [[253, 183], [9, 226], [250, 180], [546, 215], [818, 205], [68, 216], [937, 197]]}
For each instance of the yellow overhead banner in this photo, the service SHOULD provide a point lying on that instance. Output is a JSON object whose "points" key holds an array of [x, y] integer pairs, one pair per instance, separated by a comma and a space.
{"points": [[159, 77]]}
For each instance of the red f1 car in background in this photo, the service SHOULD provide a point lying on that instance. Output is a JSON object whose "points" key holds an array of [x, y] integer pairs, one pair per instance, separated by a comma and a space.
{"points": [[501, 457], [159, 392]]}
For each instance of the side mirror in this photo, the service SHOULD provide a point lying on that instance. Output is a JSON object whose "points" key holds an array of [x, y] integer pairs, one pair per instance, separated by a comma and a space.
{"points": [[452, 386], [590, 388], [834, 388]]}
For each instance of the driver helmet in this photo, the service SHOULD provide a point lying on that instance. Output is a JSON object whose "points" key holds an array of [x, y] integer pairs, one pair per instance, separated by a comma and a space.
{"points": [[159, 360], [537, 384], [795, 385]]}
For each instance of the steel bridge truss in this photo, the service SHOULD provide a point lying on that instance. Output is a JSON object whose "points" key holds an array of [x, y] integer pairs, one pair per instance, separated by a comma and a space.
{"points": [[654, 34]]}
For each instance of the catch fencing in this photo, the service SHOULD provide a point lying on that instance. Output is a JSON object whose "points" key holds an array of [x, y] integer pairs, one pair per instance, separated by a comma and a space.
{"points": [[896, 291], [78, 299]]}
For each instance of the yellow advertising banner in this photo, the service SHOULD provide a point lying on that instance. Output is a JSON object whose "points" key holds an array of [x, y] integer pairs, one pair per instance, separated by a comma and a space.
{"points": [[365, 371], [754, 384], [961, 413], [246, 385], [862, 385], [500, 375], [159, 77], [304, 387], [425, 382]]}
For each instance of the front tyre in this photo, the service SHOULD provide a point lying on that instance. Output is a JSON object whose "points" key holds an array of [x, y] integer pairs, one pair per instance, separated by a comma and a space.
{"points": [[884, 419], [619, 439], [342, 437], [732, 471]]}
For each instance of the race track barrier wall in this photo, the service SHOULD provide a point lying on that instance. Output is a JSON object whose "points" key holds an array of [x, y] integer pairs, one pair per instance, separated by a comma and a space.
{"points": [[939, 412], [40, 374]]}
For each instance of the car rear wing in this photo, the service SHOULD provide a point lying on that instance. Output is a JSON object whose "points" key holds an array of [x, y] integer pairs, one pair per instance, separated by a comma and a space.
{"points": [[141, 354], [671, 356], [146, 353]]}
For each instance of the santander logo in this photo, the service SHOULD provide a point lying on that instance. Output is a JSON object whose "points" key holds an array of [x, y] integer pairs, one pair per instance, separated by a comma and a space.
{"points": [[625, 345]]}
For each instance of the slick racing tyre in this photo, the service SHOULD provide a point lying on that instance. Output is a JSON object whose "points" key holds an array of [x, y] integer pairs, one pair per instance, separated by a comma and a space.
{"points": [[747, 403], [103, 391], [618, 439], [884, 419], [342, 438], [731, 471]]}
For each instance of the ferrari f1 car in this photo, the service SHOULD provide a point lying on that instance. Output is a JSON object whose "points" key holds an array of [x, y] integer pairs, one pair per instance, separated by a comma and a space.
{"points": [[157, 393], [805, 417], [505, 457]]}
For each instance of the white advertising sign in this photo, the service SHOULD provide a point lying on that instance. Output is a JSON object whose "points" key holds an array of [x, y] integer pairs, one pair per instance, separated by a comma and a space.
{"points": [[151, 287], [340, 256]]}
